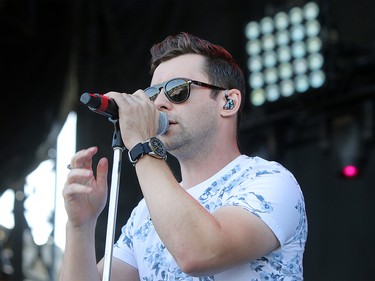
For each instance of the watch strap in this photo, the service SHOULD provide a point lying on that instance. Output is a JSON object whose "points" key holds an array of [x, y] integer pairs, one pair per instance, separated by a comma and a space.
{"points": [[138, 151]]}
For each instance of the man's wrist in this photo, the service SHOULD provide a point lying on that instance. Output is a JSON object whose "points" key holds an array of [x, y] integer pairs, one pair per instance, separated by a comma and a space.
{"points": [[152, 147]]}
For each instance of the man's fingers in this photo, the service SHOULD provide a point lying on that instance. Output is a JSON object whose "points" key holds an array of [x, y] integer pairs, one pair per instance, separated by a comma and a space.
{"points": [[83, 158], [79, 175], [102, 172], [75, 189]]}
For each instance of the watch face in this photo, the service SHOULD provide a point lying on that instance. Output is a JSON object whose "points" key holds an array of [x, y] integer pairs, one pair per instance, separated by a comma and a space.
{"points": [[157, 147]]}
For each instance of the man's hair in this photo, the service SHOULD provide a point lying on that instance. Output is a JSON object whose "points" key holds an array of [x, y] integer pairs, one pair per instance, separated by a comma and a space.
{"points": [[220, 66]]}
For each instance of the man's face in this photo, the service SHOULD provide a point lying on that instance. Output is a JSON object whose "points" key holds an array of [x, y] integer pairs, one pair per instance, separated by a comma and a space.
{"points": [[194, 121]]}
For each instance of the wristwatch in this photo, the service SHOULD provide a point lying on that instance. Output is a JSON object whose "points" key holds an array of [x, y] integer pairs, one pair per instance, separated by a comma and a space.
{"points": [[153, 147]]}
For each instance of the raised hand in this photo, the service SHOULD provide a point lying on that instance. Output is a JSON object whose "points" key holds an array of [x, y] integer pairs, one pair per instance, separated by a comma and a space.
{"points": [[84, 195]]}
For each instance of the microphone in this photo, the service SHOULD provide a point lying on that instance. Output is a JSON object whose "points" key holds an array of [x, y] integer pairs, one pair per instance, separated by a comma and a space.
{"points": [[108, 107]]}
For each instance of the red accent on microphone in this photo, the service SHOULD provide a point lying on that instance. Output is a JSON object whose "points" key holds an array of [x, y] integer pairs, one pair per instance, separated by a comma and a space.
{"points": [[108, 107], [104, 103]]}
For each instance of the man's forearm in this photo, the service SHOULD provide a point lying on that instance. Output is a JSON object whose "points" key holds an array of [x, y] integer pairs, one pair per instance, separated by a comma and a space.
{"points": [[79, 261]]}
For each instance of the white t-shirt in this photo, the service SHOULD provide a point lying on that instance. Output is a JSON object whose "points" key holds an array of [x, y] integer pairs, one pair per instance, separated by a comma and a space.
{"points": [[262, 187]]}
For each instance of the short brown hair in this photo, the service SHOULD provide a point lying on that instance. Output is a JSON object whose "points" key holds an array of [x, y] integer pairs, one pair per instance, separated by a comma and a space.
{"points": [[220, 66]]}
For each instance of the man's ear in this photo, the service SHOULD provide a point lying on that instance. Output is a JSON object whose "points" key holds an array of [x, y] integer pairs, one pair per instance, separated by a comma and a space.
{"points": [[231, 102]]}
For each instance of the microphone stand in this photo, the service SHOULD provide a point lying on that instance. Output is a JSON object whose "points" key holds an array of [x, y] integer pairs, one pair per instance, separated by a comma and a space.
{"points": [[118, 148], [107, 107]]}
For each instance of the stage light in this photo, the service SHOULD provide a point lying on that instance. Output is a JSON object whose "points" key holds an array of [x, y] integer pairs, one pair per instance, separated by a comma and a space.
{"points": [[268, 42], [302, 83], [287, 88], [282, 37], [312, 28], [266, 25], [297, 32], [317, 79], [311, 11], [296, 15], [314, 45], [300, 66], [350, 171], [298, 50], [258, 97], [255, 63], [285, 71], [270, 76], [315, 61], [272, 92], [269, 59], [284, 54], [256, 80], [281, 20], [253, 47], [252, 30], [347, 145]]}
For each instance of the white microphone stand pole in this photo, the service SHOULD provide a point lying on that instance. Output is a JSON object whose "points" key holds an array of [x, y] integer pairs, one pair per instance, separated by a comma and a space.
{"points": [[118, 148]]}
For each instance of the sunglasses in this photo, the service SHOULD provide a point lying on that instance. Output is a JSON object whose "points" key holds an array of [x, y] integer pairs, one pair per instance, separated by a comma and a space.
{"points": [[177, 90]]}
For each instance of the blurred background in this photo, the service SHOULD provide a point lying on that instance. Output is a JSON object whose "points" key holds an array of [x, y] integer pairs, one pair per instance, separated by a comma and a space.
{"points": [[309, 67]]}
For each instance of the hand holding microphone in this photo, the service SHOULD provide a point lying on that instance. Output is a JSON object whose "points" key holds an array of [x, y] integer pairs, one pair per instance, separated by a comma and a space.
{"points": [[108, 107]]}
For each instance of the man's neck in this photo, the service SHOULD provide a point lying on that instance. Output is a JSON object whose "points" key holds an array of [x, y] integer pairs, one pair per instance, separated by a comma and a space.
{"points": [[202, 167]]}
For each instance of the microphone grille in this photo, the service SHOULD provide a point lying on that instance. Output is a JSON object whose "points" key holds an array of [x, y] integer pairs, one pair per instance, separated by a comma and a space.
{"points": [[163, 124]]}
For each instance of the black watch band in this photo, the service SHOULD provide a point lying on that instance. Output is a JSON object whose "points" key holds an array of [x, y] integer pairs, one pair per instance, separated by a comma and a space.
{"points": [[137, 152], [153, 147]]}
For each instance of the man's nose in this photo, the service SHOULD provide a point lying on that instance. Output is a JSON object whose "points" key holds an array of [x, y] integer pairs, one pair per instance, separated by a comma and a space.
{"points": [[161, 100]]}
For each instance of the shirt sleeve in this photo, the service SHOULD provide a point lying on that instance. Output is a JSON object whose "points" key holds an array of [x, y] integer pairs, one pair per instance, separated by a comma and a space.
{"points": [[123, 248], [274, 196]]}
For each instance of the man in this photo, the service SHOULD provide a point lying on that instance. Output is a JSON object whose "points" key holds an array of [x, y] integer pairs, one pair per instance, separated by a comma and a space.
{"points": [[232, 217]]}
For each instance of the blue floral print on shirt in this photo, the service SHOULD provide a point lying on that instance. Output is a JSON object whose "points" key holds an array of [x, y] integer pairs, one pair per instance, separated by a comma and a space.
{"points": [[230, 189]]}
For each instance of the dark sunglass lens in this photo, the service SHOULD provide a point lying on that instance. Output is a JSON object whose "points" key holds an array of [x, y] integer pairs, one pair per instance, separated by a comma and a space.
{"points": [[177, 90], [152, 93]]}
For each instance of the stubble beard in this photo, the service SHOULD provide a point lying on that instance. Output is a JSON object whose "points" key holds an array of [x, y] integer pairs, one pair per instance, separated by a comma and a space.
{"points": [[190, 142]]}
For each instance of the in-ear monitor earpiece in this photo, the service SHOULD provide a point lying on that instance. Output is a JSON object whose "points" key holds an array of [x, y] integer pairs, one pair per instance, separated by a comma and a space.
{"points": [[229, 104]]}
